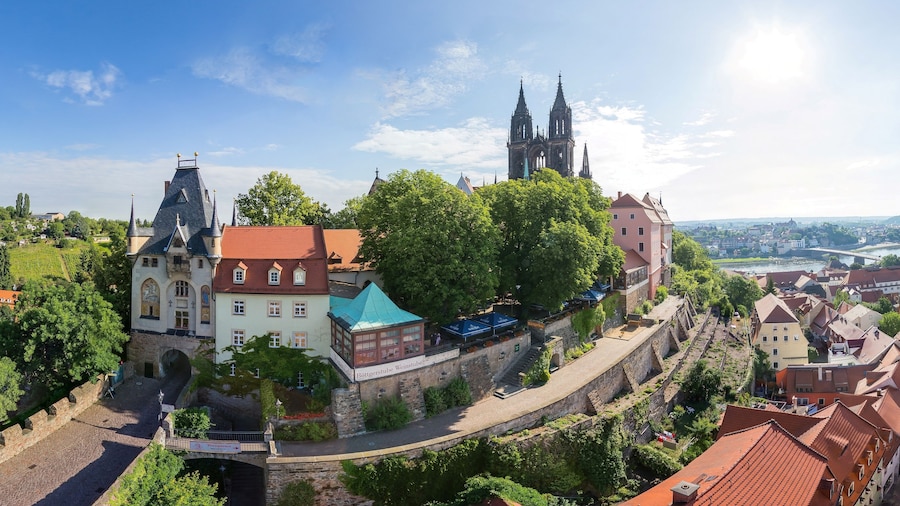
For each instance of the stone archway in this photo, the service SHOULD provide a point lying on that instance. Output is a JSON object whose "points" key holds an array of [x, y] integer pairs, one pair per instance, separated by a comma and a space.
{"points": [[174, 361]]}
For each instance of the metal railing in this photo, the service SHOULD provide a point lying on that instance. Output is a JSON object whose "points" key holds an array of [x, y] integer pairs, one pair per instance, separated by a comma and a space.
{"points": [[244, 436]]}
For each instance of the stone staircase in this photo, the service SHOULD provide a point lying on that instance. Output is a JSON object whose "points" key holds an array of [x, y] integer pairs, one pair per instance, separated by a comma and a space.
{"points": [[511, 382]]}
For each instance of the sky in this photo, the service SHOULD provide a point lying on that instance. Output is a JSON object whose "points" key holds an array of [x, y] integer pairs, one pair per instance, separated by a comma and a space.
{"points": [[722, 109]]}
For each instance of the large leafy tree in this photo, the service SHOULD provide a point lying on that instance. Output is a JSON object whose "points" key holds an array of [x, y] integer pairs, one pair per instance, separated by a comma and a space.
{"points": [[276, 200], [5, 276], [10, 386], [110, 271], [702, 382], [555, 236], [346, 217], [155, 480], [742, 292], [890, 323], [65, 333], [435, 248]]}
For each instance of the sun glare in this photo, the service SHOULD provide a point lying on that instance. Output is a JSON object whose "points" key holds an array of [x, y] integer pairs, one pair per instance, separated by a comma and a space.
{"points": [[772, 56]]}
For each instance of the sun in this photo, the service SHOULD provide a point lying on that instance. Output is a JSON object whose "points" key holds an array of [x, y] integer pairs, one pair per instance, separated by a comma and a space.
{"points": [[772, 56]]}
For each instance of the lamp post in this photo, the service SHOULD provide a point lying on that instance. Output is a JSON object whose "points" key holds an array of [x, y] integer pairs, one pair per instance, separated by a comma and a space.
{"points": [[161, 396], [277, 408]]}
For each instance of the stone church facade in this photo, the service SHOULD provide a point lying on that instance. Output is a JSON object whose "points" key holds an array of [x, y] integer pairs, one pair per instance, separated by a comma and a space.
{"points": [[553, 148]]}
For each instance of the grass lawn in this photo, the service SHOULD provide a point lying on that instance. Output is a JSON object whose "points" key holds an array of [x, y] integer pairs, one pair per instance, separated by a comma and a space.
{"points": [[45, 260]]}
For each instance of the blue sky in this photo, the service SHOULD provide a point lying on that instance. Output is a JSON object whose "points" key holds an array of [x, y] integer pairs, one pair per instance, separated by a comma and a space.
{"points": [[726, 109]]}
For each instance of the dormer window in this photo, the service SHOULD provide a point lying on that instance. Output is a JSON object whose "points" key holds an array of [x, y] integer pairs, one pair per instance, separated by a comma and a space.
{"points": [[240, 274], [299, 276], [275, 274]]}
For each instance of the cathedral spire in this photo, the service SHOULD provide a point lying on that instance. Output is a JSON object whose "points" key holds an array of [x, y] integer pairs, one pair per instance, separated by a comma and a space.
{"points": [[521, 108], [585, 165], [560, 102], [234, 213]]}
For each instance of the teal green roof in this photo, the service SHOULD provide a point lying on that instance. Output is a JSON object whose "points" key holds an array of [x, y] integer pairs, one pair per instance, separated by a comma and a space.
{"points": [[370, 310], [336, 302]]}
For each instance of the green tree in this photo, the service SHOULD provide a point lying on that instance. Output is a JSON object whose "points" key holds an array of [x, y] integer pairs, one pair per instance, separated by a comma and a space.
{"points": [[689, 254], [585, 321], [26, 206], [56, 230], [20, 206], [770, 285], [434, 247], [297, 493], [762, 367], [276, 200], [346, 217], [890, 324], [883, 305], [555, 236], [599, 453], [110, 271], [841, 297], [66, 333], [281, 364], [192, 422], [701, 383], [890, 260], [10, 386], [742, 291], [6, 282], [480, 489], [155, 481]]}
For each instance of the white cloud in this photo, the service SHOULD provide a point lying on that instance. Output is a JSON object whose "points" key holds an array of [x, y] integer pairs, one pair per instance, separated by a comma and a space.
{"points": [[704, 119], [228, 151], [89, 88], [457, 65], [473, 144], [57, 183], [241, 68], [627, 155], [306, 46]]}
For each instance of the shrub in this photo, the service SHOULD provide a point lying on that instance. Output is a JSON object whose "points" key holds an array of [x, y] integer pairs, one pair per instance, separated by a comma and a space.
{"points": [[297, 493], [308, 431], [267, 400], [656, 461], [458, 393], [191, 422], [435, 401], [387, 413], [661, 293]]}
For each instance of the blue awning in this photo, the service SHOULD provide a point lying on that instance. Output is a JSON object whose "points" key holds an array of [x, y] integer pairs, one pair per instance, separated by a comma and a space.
{"points": [[496, 320], [466, 328], [591, 296]]}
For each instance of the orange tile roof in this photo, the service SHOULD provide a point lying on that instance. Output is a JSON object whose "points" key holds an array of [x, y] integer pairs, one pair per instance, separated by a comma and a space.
{"points": [[9, 297], [738, 418], [771, 309], [740, 467], [343, 250], [263, 243]]}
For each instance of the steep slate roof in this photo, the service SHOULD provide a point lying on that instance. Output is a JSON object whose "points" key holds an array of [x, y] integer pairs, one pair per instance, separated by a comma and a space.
{"points": [[657, 208], [186, 202], [371, 310], [261, 248], [771, 309], [759, 465], [629, 201], [465, 185]]}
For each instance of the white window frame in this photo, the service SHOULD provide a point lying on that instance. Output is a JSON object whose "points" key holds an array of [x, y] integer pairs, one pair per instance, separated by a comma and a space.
{"points": [[299, 276], [238, 337], [299, 339], [300, 309], [239, 276], [274, 276], [274, 309], [238, 307], [274, 339]]}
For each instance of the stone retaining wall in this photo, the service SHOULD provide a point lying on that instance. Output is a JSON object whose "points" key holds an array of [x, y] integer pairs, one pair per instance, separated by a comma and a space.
{"points": [[15, 439], [323, 471]]}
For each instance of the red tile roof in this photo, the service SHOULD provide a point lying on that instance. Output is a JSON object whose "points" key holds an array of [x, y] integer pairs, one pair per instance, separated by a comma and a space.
{"points": [[771, 309], [343, 250], [759, 465], [259, 249]]}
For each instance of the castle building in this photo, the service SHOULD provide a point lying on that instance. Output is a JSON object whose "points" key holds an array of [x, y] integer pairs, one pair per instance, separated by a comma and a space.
{"points": [[554, 148], [174, 262]]}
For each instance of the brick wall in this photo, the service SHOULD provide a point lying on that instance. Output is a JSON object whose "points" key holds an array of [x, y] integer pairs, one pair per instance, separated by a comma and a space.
{"points": [[15, 439]]}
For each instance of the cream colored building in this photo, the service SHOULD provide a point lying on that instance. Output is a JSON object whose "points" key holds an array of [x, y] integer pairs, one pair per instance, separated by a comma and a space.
{"points": [[776, 331]]}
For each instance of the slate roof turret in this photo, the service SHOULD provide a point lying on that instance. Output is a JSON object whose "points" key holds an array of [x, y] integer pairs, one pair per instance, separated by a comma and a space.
{"points": [[186, 207]]}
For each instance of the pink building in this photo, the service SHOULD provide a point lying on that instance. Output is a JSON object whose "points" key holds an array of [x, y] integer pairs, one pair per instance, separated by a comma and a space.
{"points": [[644, 232]]}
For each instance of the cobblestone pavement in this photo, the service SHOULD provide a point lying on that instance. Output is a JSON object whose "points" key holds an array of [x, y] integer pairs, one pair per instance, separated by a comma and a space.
{"points": [[76, 464]]}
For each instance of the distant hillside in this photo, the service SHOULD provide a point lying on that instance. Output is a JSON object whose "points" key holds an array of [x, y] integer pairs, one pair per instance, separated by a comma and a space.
{"points": [[45, 260], [800, 220], [892, 221]]}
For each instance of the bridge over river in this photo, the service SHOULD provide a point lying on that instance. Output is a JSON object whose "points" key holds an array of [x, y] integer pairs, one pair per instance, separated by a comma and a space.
{"points": [[838, 252]]}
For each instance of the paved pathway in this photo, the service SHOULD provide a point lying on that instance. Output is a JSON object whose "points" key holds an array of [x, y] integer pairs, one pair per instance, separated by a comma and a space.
{"points": [[492, 410], [76, 464]]}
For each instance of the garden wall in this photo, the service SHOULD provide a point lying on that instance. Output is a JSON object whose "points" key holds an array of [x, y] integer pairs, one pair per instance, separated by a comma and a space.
{"points": [[15, 439]]}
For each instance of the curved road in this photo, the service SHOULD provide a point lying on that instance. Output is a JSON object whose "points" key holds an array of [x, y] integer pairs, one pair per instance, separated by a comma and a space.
{"points": [[76, 464]]}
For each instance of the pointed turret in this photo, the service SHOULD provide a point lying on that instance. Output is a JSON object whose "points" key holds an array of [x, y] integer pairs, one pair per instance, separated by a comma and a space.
{"points": [[132, 234], [214, 238], [234, 213], [585, 166], [560, 102], [376, 183], [215, 228], [521, 108]]}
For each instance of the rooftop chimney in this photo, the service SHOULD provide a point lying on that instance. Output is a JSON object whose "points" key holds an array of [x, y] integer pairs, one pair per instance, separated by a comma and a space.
{"points": [[620, 195], [684, 492], [167, 188]]}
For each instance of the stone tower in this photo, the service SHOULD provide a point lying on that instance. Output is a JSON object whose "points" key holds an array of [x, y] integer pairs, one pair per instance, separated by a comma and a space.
{"points": [[554, 149]]}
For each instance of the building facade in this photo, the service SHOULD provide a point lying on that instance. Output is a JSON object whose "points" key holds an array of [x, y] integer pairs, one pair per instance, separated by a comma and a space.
{"points": [[554, 148], [776, 330], [643, 230]]}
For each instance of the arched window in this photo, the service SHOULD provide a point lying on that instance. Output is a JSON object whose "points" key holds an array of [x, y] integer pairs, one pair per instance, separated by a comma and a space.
{"points": [[204, 304], [150, 299]]}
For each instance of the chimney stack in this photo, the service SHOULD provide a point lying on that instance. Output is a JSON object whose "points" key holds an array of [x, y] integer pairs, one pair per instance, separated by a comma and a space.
{"points": [[684, 492], [620, 195], [166, 190]]}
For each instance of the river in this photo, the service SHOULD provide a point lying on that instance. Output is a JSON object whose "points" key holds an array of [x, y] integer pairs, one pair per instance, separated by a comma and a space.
{"points": [[804, 264]]}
